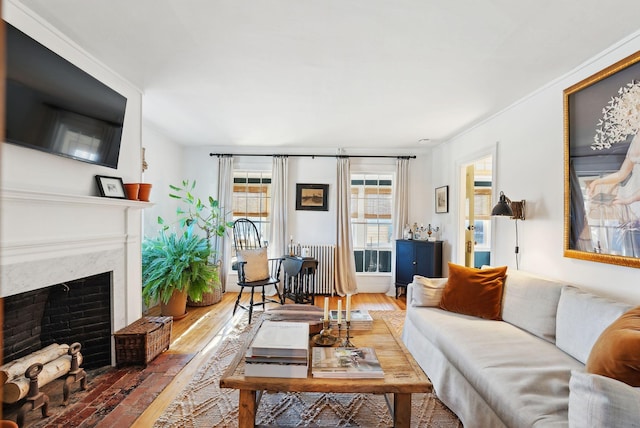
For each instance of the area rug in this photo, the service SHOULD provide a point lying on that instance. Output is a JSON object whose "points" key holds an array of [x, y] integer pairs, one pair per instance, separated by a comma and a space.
{"points": [[203, 403]]}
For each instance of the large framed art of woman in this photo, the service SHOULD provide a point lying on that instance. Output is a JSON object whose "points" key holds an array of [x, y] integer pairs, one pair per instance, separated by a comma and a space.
{"points": [[602, 165]]}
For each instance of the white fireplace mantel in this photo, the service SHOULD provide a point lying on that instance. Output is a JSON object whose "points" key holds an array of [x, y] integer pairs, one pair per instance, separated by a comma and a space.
{"points": [[49, 238]]}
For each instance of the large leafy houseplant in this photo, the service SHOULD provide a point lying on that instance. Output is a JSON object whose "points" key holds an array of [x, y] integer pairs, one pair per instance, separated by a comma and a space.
{"points": [[176, 263], [208, 217]]}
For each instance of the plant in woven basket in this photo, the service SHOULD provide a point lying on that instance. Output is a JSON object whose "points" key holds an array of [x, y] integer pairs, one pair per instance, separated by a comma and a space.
{"points": [[176, 264], [209, 218]]}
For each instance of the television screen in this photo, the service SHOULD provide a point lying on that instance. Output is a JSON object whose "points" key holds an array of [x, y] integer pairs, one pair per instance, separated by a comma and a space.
{"points": [[54, 106]]}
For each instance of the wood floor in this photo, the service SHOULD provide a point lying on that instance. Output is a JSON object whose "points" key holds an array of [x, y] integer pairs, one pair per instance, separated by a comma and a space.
{"points": [[203, 326]]}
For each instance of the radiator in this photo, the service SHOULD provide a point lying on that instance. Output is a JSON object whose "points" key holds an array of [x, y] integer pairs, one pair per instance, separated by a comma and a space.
{"points": [[326, 257]]}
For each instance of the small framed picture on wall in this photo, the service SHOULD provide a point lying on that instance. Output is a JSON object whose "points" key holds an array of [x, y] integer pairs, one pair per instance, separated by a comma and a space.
{"points": [[442, 199]]}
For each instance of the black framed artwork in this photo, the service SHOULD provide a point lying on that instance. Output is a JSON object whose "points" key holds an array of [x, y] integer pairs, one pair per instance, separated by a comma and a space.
{"points": [[442, 199], [111, 187], [312, 197]]}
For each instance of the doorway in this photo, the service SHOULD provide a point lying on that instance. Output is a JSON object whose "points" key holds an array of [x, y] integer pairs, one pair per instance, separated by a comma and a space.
{"points": [[476, 190]]}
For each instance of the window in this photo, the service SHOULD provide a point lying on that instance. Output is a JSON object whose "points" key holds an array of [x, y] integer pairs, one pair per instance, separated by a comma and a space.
{"points": [[482, 224], [252, 199], [371, 223]]}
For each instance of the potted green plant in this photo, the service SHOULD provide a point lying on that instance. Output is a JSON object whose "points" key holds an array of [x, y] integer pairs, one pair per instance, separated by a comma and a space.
{"points": [[209, 218], [175, 267]]}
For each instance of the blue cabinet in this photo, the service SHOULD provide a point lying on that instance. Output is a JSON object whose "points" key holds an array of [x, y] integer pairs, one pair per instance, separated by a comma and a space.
{"points": [[417, 258]]}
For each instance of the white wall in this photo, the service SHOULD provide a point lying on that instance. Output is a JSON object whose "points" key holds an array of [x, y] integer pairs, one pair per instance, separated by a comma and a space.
{"points": [[312, 227], [530, 165], [165, 166]]}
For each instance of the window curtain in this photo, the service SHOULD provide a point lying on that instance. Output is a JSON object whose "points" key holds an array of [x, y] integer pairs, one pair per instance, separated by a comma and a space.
{"points": [[401, 198], [225, 199], [279, 204], [345, 273], [400, 204]]}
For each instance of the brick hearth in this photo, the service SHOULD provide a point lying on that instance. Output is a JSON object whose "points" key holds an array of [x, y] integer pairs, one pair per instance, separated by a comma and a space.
{"points": [[114, 397]]}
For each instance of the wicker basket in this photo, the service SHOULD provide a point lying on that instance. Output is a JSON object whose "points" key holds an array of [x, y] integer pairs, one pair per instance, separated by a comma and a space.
{"points": [[208, 299], [215, 295], [142, 341]]}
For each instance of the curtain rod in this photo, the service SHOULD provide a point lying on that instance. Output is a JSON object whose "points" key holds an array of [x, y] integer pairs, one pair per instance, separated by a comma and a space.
{"points": [[313, 156]]}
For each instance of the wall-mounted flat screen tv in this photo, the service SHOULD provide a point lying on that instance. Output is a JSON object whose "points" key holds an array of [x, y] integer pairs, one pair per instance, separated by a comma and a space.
{"points": [[54, 106]]}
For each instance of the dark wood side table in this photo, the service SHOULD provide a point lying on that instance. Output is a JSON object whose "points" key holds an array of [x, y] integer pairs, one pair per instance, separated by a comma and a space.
{"points": [[299, 279]]}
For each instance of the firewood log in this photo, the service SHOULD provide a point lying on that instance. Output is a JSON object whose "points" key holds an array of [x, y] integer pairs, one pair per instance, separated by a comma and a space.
{"points": [[18, 388], [16, 368]]}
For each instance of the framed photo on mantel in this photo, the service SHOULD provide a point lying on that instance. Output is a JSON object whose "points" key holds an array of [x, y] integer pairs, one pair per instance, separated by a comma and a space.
{"points": [[110, 187]]}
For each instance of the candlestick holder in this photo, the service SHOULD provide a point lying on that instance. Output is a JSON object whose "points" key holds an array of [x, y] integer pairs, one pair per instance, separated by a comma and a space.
{"points": [[324, 338], [346, 343]]}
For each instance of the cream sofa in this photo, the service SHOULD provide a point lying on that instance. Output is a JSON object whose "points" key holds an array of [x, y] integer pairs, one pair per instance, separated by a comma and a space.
{"points": [[524, 371]]}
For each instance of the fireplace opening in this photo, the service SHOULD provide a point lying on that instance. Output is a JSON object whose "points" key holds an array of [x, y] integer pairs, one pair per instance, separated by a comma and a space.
{"points": [[74, 311]]}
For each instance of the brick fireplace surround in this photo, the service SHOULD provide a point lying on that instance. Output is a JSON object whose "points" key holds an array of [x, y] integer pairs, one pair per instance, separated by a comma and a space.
{"points": [[50, 239], [74, 311]]}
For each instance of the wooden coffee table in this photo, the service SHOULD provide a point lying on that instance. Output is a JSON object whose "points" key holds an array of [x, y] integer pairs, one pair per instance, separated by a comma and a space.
{"points": [[402, 377]]}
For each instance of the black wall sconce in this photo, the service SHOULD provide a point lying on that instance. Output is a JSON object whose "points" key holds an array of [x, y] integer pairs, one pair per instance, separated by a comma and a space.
{"points": [[514, 210]]}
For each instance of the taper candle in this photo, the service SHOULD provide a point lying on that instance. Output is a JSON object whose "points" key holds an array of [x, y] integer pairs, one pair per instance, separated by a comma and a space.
{"points": [[348, 317], [340, 311], [326, 309]]}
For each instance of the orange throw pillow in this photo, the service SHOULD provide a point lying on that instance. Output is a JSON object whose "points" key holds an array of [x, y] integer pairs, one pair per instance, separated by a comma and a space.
{"points": [[476, 292], [616, 353]]}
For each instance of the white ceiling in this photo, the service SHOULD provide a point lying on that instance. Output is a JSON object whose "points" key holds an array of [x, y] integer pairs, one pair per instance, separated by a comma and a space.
{"points": [[361, 74]]}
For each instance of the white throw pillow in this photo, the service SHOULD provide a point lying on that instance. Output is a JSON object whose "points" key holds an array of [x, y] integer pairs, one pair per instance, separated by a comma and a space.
{"points": [[581, 319], [598, 401], [257, 264], [427, 291]]}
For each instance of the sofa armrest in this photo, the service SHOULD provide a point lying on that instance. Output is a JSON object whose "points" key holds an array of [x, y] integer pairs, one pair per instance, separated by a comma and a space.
{"points": [[409, 293], [601, 401]]}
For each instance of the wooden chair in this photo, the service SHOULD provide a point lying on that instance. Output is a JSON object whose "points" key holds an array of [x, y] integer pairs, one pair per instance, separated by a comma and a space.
{"points": [[253, 264]]}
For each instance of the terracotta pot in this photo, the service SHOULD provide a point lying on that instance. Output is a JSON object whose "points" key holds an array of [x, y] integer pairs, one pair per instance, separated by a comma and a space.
{"points": [[145, 190], [176, 307], [8, 424], [132, 189]]}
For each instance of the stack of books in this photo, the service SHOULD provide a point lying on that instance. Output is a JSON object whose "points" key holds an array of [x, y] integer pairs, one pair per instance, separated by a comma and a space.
{"points": [[349, 363], [360, 319], [279, 349]]}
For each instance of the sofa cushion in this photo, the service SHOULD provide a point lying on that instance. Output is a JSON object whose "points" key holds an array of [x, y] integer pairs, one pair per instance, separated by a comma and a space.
{"points": [[531, 303], [581, 318], [476, 292], [598, 401], [616, 353], [257, 264], [427, 291]]}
